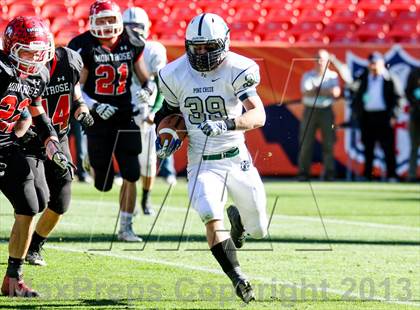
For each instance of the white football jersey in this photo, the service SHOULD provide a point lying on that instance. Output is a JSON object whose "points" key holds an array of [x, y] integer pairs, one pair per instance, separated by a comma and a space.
{"points": [[213, 95], [155, 59]]}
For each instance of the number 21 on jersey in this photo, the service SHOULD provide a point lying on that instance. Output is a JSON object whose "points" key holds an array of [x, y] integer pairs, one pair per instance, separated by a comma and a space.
{"points": [[111, 81]]}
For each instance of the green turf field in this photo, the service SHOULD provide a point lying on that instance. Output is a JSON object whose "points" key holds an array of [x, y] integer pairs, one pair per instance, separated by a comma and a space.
{"points": [[366, 257]]}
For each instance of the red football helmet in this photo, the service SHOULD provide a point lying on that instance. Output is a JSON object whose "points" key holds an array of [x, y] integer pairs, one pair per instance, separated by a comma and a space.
{"points": [[105, 29], [29, 43]]}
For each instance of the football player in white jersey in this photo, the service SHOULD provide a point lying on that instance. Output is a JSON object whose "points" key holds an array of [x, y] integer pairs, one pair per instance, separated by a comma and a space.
{"points": [[137, 24], [210, 86]]}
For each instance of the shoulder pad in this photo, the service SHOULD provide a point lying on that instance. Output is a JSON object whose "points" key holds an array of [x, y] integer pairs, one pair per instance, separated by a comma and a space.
{"points": [[155, 56], [166, 84], [44, 74], [134, 39], [41, 79], [79, 42], [6, 67], [246, 74], [75, 61]]}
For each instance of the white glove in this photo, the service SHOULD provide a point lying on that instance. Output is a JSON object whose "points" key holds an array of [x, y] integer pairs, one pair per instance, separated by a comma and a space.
{"points": [[105, 110], [143, 96], [168, 148], [213, 128]]}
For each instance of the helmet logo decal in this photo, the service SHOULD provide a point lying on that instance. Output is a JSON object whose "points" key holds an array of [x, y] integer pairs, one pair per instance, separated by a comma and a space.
{"points": [[9, 31], [250, 79]]}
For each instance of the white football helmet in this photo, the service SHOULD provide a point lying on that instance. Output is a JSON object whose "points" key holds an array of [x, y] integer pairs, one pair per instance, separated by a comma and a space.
{"points": [[138, 19], [210, 31]]}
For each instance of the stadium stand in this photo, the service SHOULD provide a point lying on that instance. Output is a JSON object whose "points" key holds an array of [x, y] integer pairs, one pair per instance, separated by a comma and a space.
{"points": [[321, 21]]}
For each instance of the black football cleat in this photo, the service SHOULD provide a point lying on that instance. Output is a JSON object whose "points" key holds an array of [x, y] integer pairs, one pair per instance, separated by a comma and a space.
{"points": [[147, 209], [35, 258], [244, 291], [14, 287], [237, 231]]}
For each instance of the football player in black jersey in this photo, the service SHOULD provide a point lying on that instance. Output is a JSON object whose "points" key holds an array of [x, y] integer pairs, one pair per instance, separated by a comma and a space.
{"points": [[109, 55], [27, 47], [61, 98]]}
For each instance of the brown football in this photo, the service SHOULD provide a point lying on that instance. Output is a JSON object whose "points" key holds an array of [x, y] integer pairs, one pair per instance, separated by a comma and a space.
{"points": [[172, 126]]}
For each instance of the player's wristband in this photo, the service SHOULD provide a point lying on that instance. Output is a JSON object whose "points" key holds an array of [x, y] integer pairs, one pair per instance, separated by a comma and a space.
{"points": [[147, 87], [77, 103], [230, 124], [25, 114]]}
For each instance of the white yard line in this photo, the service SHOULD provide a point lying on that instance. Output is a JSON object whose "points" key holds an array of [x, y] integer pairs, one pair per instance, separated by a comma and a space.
{"points": [[344, 222], [363, 187], [265, 280], [283, 217]]}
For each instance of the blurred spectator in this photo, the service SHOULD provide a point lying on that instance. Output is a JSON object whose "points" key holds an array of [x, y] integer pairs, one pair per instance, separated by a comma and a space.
{"points": [[412, 92], [374, 103], [81, 146], [320, 88]]}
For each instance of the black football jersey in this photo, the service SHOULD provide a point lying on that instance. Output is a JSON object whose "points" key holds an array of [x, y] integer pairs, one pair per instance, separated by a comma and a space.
{"points": [[57, 97], [16, 93], [110, 69]]}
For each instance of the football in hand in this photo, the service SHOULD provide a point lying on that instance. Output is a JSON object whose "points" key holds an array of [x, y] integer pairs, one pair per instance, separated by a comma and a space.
{"points": [[172, 126]]}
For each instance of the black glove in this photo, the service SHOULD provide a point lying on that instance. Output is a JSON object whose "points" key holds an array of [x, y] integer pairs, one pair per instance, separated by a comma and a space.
{"points": [[85, 119], [61, 173], [55, 154]]}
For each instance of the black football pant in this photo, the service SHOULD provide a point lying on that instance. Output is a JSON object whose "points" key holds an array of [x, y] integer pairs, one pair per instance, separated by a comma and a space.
{"points": [[52, 184], [106, 139], [17, 183], [376, 127]]}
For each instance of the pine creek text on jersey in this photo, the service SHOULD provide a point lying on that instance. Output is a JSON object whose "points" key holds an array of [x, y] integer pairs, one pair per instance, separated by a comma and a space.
{"points": [[199, 90]]}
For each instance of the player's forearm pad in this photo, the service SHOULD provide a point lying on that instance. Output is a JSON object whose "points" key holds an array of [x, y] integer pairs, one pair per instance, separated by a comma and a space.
{"points": [[148, 86], [230, 124], [44, 126], [165, 111], [77, 103]]}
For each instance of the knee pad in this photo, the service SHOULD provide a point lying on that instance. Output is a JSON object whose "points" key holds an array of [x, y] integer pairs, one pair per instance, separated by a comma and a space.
{"points": [[28, 203], [131, 175], [26, 211], [129, 166], [42, 194], [104, 181], [60, 197]]}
